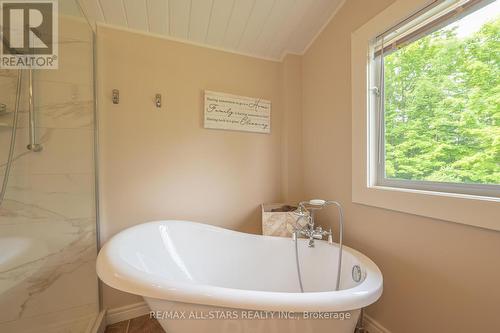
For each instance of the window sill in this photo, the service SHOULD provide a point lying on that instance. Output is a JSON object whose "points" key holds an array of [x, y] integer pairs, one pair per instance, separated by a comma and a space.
{"points": [[467, 209]]}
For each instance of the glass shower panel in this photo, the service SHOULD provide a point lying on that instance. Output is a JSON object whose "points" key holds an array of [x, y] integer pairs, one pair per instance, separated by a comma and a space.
{"points": [[47, 219]]}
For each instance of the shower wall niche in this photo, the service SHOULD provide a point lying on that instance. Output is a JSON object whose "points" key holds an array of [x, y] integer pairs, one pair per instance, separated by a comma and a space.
{"points": [[47, 220]]}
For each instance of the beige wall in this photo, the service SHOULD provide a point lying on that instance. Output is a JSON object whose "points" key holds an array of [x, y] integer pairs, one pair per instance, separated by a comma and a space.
{"points": [[438, 276], [162, 164], [291, 123]]}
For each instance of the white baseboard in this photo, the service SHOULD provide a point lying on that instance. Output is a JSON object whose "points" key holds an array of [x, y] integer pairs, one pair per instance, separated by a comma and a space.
{"points": [[99, 325], [126, 312], [373, 326]]}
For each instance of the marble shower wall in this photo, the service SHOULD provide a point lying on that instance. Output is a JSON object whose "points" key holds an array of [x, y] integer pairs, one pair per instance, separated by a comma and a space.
{"points": [[47, 221]]}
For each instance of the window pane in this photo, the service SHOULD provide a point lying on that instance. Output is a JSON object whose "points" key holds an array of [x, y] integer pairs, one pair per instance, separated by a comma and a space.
{"points": [[442, 103]]}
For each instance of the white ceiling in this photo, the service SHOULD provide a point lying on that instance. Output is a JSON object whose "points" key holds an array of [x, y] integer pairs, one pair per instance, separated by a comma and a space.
{"points": [[261, 28]]}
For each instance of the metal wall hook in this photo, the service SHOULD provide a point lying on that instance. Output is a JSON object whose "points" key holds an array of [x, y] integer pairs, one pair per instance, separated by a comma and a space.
{"points": [[158, 100], [115, 96]]}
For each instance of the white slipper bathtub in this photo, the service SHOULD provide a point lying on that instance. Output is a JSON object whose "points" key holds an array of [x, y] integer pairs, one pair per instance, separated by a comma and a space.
{"points": [[201, 278]]}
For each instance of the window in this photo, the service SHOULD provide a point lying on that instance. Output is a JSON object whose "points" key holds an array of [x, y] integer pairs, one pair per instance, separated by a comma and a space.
{"points": [[435, 184], [436, 79]]}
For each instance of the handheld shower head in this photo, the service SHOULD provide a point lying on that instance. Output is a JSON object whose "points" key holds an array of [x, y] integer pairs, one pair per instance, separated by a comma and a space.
{"points": [[317, 202], [313, 204]]}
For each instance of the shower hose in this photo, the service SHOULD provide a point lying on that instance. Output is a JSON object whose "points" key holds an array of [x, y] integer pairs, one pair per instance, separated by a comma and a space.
{"points": [[297, 261], [10, 157], [339, 260]]}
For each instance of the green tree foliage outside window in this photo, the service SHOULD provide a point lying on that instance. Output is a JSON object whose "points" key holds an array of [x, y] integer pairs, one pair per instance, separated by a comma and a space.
{"points": [[442, 108]]}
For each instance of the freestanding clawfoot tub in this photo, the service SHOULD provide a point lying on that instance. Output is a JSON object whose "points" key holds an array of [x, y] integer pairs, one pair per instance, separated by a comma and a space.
{"points": [[201, 278]]}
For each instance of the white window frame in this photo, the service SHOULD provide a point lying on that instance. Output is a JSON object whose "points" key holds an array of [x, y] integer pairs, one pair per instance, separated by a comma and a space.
{"points": [[474, 205]]}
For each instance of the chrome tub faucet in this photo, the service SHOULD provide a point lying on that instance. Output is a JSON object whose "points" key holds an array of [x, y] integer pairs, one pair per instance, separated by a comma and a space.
{"points": [[307, 210]]}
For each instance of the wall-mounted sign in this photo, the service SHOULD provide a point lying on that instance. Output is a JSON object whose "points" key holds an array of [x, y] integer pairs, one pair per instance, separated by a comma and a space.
{"points": [[238, 113]]}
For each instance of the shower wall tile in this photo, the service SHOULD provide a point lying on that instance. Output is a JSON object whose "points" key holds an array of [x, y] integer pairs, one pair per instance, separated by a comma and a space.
{"points": [[54, 93], [74, 320], [53, 271], [64, 151], [7, 73], [63, 114], [72, 114], [8, 85], [16, 212], [75, 63], [39, 244], [8, 89], [4, 147], [41, 238], [47, 221], [73, 287], [58, 197]]}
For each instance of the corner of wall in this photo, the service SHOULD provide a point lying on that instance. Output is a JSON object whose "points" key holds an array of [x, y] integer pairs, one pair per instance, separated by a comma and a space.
{"points": [[291, 161]]}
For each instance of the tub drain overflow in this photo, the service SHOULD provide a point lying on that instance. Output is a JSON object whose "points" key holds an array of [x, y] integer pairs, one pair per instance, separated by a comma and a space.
{"points": [[356, 273]]}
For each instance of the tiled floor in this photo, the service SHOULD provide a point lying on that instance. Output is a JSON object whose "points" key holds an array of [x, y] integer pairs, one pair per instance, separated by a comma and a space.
{"points": [[143, 324]]}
